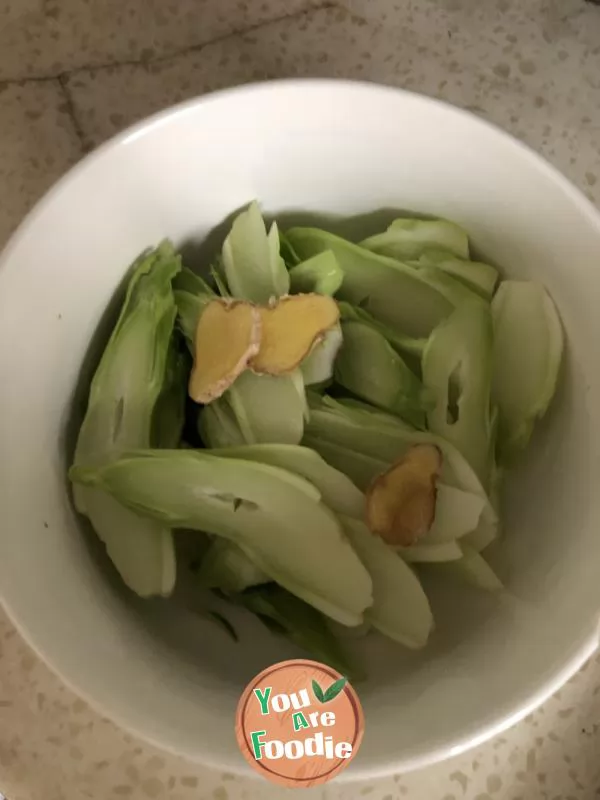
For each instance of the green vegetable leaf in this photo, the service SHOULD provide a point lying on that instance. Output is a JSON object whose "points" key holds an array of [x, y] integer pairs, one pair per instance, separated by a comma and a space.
{"points": [[124, 397], [288, 253], [332, 692], [189, 308], [320, 274], [282, 525], [257, 409], [317, 367], [268, 409], [318, 692], [219, 281], [408, 300], [456, 513], [169, 412], [189, 281], [253, 266], [359, 409], [400, 607], [407, 238], [457, 368], [404, 345], [218, 425], [370, 368], [337, 491], [353, 438], [479, 277], [528, 347]]}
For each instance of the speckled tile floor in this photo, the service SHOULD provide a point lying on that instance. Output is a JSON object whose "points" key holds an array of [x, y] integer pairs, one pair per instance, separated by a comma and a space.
{"points": [[71, 74]]}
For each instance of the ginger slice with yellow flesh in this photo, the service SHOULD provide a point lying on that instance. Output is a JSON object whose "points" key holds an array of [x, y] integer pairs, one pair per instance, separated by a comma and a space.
{"points": [[227, 336], [291, 327], [401, 501]]}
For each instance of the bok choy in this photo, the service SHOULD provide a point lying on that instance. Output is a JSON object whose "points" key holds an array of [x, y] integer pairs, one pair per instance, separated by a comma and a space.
{"points": [[333, 419], [135, 381]]}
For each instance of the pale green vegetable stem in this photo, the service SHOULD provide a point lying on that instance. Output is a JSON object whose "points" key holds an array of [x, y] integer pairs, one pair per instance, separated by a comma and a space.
{"points": [[275, 516], [370, 368], [253, 266], [124, 396], [408, 238], [527, 354]]}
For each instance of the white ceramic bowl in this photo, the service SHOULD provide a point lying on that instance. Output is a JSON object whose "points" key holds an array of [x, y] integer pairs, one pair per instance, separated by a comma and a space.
{"points": [[336, 148]]}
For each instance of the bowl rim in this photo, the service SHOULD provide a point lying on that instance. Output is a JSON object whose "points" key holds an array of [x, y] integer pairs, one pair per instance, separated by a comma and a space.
{"points": [[169, 115]]}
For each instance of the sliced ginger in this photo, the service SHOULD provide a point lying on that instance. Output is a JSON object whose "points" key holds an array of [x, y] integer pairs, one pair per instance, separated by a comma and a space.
{"points": [[291, 327], [401, 501], [232, 335], [227, 337]]}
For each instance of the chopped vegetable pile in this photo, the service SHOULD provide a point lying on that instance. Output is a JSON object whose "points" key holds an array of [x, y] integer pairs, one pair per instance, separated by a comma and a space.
{"points": [[329, 417]]}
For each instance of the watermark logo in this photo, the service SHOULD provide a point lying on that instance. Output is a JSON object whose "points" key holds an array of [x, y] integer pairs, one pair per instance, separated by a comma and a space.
{"points": [[299, 723]]}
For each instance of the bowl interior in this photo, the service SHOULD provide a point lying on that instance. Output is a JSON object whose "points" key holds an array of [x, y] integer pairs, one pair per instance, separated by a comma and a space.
{"points": [[337, 150]]}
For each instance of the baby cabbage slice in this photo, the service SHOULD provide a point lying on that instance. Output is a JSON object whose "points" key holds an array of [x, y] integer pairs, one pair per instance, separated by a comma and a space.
{"points": [[407, 238], [527, 353], [320, 274], [252, 263], [126, 394], [412, 302], [369, 367], [457, 368], [400, 607], [337, 491], [276, 517]]}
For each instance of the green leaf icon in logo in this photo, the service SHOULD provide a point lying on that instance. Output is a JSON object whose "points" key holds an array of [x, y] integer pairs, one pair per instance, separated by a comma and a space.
{"points": [[334, 690], [329, 694], [318, 692]]}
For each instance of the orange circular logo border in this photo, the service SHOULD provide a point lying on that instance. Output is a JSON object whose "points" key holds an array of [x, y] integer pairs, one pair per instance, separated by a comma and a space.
{"points": [[346, 702]]}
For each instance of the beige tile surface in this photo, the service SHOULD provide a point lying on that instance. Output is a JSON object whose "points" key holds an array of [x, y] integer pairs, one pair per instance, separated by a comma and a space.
{"points": [[532, 66], [38, 144], [300, 45], [47, 37]]}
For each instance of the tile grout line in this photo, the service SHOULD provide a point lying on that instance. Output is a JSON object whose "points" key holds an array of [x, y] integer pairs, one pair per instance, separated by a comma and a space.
{"points": [[65, 75], [71, 112]]}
